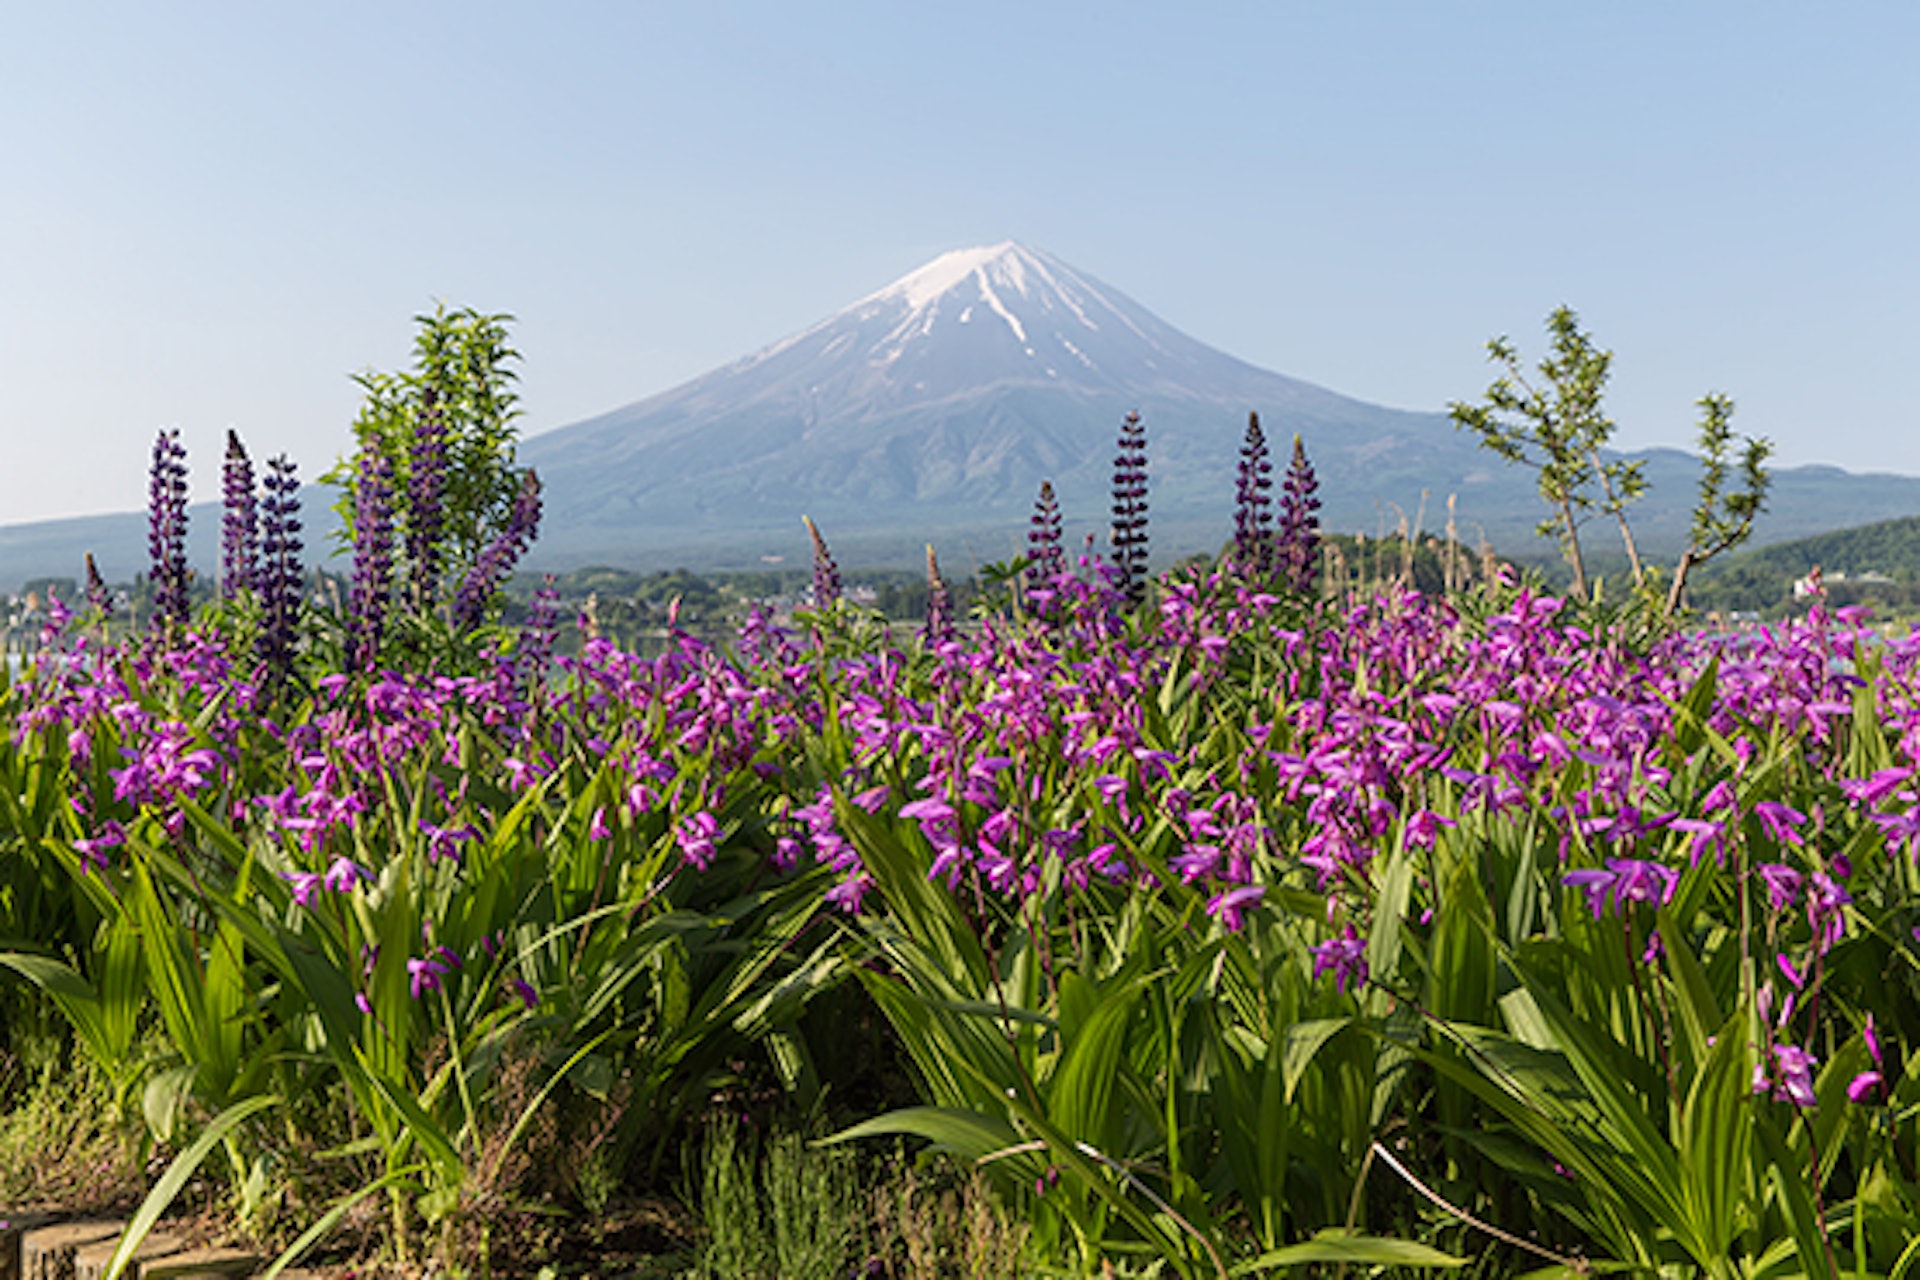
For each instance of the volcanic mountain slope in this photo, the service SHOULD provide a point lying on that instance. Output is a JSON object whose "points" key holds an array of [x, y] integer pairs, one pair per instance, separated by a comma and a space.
{"points": [[933, 408], [937, 405]]}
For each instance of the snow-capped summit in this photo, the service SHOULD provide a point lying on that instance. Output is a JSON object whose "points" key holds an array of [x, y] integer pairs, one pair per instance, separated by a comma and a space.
{"points": [[999, 282], [1007, 261], [989, 315], [1051, 312]]}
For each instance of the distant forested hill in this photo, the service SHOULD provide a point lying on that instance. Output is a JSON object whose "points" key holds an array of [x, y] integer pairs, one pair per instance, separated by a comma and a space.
{"points": [[1875, 563]]}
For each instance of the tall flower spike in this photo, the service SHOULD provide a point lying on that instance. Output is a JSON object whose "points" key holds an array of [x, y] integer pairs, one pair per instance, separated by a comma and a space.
{"points": [[1046, 560], [280, 569], [1130, 509], [497, 559], [167, 529], [372, 557], [826, 574], [1299, 532], [239, 524], [99, 599], [1252, 513], [939, 604], [426, 491], [537, 635]]}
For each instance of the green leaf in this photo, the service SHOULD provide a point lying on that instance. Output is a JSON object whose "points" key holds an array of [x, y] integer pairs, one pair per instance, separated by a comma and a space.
{"points": [[1303, 1041], [1624, 1113], [175, 1178], [1389, 911], [439, 1149], [71, 993], [1699, 1011], [1690, 733], [164, 1100], [1716, 1140], [966, 1134], [1790, 1182], [1080, 1090], [1334, 1245], [179, 985]]}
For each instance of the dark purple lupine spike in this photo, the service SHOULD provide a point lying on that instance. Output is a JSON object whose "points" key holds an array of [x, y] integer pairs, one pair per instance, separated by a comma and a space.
{"points": [[496, 560], [477, 587], [239, 525], [1252, 514], [1130, 509], [826, 574], [426, 491], [1046, 560], [537, 635], [280, 570], [1299, 533], [99, 599], [372, 557], [939, 628], [167, 529]]}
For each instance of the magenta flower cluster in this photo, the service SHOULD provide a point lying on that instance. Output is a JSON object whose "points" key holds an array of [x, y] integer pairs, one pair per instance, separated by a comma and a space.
{"points": [[1034, 761]]}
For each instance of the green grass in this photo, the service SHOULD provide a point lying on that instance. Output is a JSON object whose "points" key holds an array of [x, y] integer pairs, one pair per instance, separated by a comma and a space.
{"points": [[63, 1140], [781, 1209]]}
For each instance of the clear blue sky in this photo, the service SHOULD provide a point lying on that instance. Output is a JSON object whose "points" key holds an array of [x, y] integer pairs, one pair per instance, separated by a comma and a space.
{"points": [[211, 215]]}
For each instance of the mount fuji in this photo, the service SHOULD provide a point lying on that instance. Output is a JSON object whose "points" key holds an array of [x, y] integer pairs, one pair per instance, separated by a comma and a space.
{"points": [[933, 409]]}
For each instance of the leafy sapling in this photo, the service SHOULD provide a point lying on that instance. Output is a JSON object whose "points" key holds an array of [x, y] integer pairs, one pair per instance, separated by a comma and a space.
{"points": [[1558, 429], [1722, 520], [446, 431]]}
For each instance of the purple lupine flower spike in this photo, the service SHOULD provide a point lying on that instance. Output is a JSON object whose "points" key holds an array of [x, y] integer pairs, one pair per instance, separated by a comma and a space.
{"points": [[496, 560], [1046, 560], [426, 491], [280, 569], [939, 629], [167, 529], [1130, 509], [99, 599], [239, 522], [1298, 536], [372, 557], [826, 574], [537, 636], [1252, 514]]}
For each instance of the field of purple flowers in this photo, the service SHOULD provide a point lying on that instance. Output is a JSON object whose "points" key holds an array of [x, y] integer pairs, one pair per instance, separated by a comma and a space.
{"points": [[1218, 922]]}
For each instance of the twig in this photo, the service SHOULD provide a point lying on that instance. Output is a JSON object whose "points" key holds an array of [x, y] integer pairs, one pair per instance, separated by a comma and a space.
{"points": [[1578, 1265]]}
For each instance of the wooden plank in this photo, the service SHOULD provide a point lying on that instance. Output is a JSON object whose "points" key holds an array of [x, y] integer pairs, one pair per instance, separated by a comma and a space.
{"points": [[90, 1261], [46, 1253], [13, 1232], [203, 1264]]}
